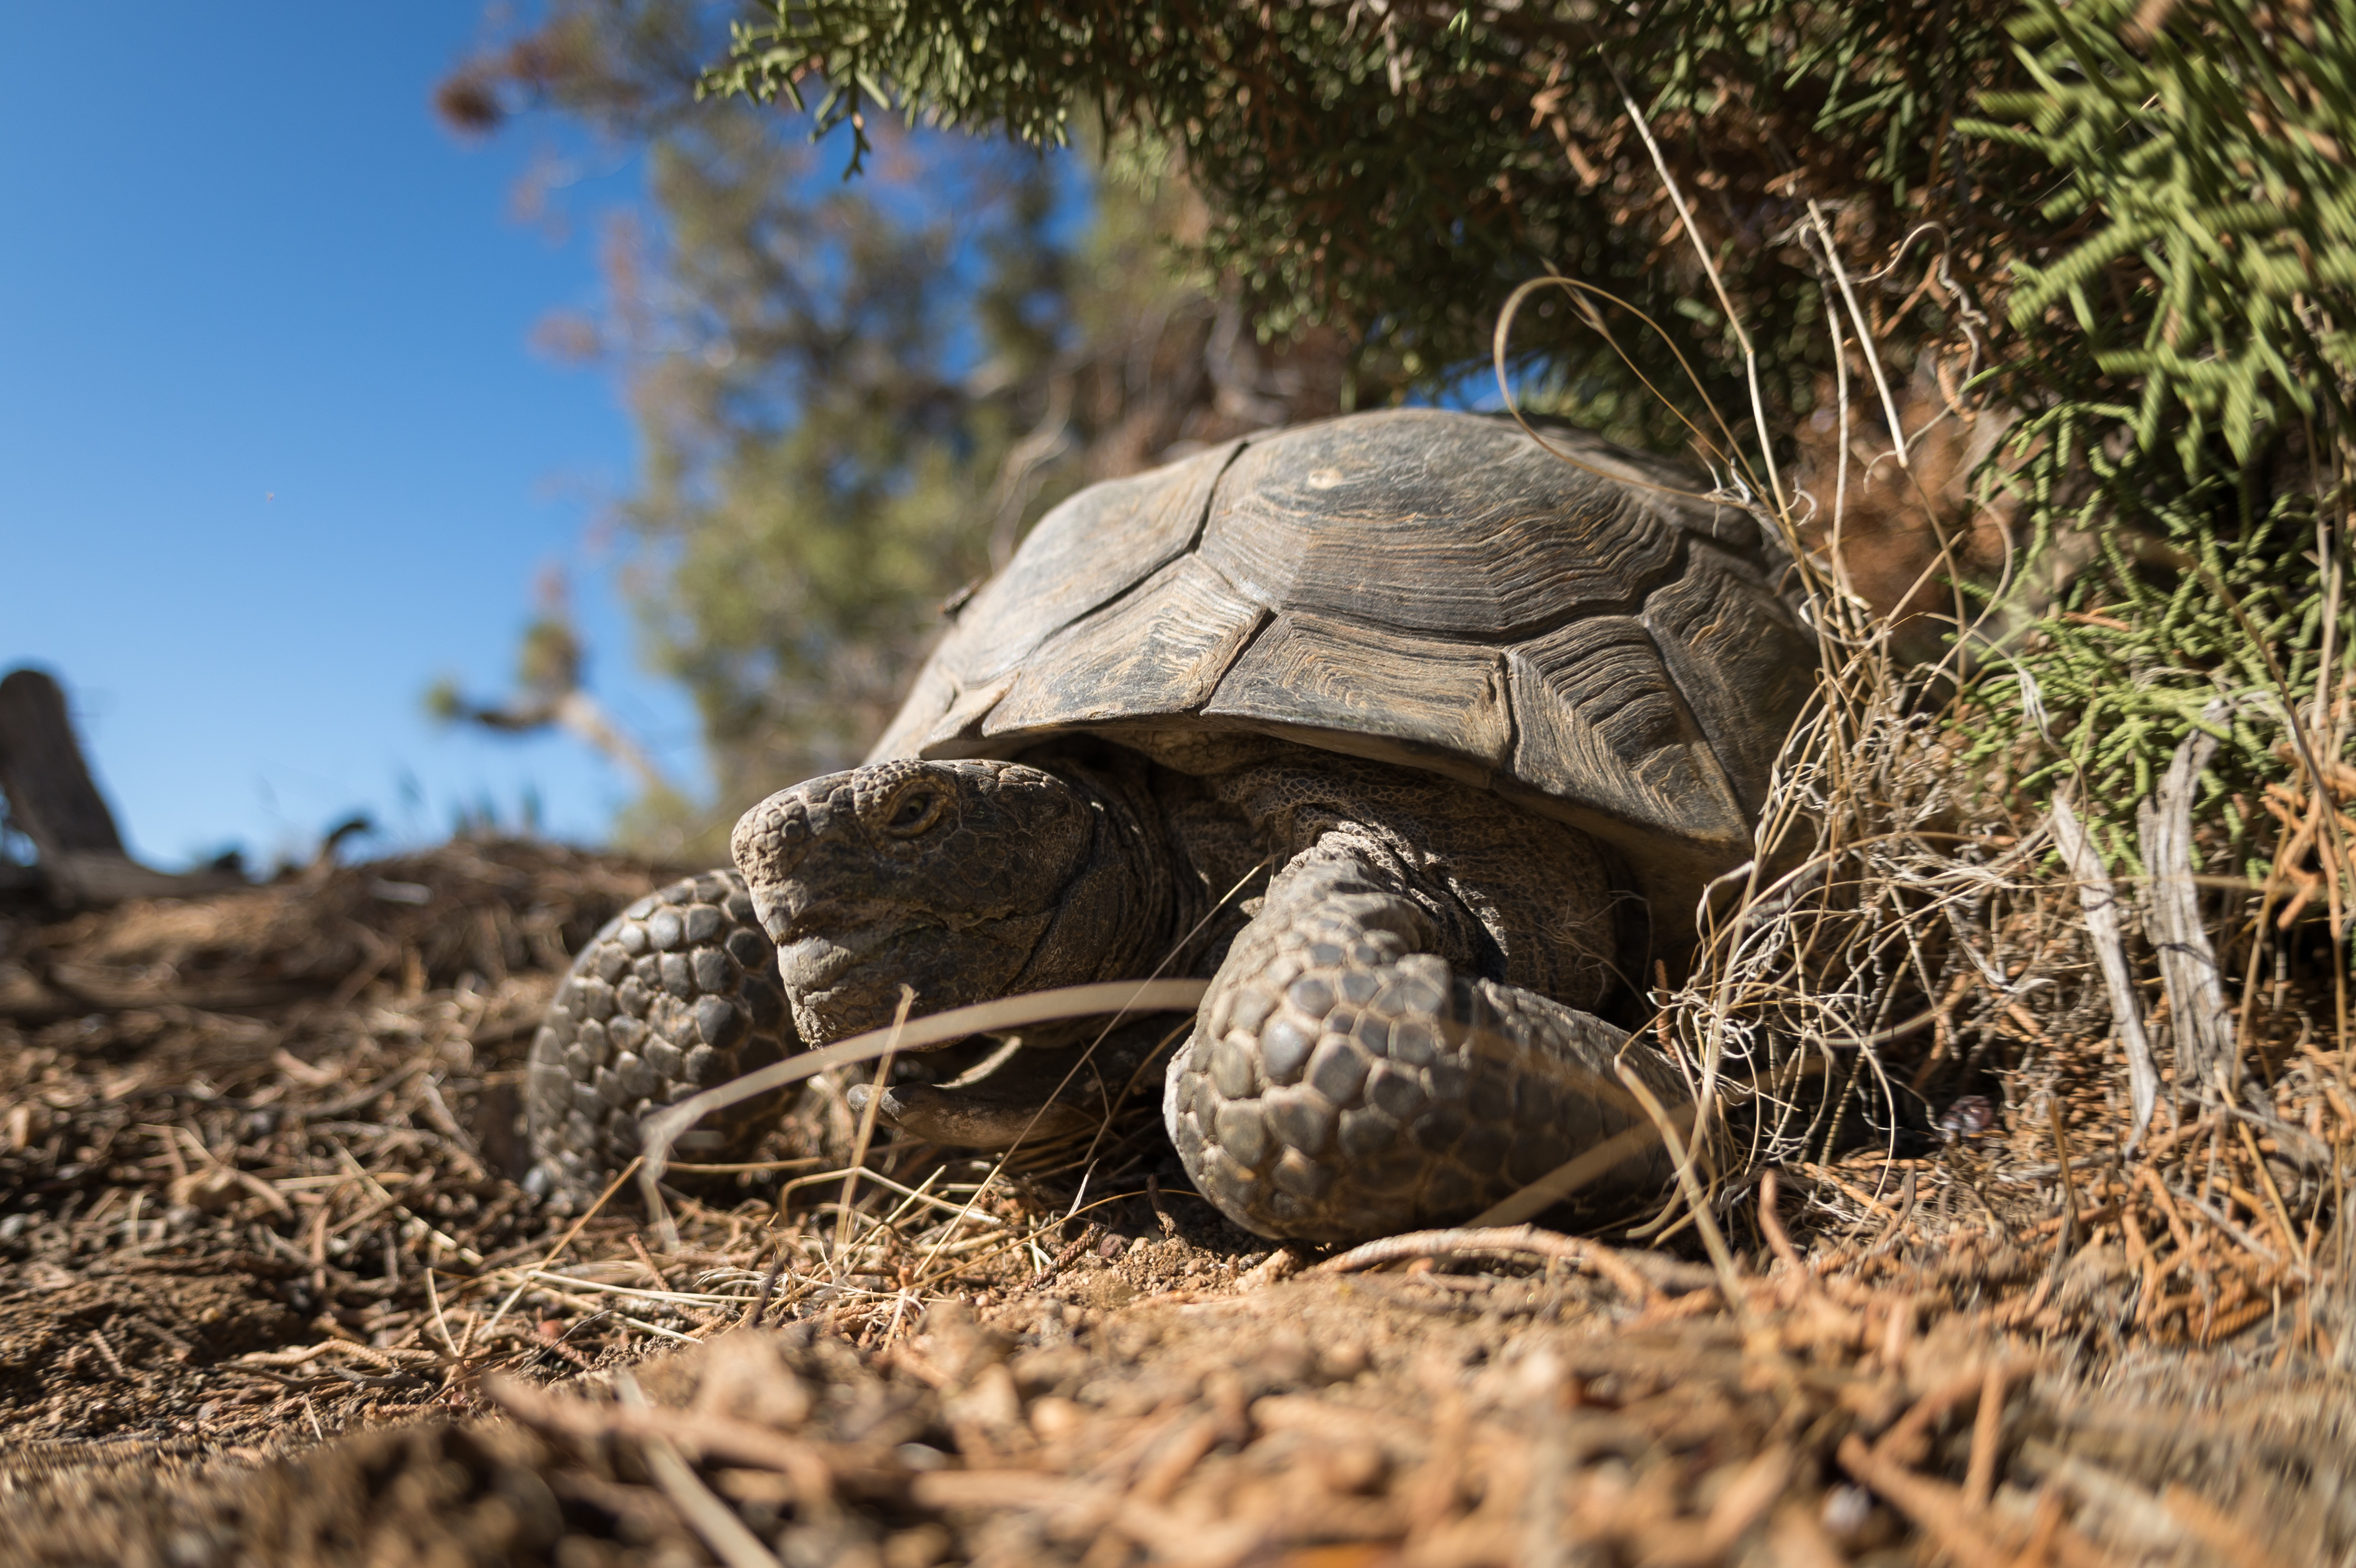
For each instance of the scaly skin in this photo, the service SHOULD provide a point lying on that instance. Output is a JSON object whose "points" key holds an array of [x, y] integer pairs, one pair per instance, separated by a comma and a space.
{"points": [[1401, 1035], [963, 881], [1404, 1030], [1349, 1080], [677, 993]]}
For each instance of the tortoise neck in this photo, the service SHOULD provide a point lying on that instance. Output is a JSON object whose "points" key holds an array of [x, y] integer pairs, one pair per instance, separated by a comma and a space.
{"points": [[1118, 913]]}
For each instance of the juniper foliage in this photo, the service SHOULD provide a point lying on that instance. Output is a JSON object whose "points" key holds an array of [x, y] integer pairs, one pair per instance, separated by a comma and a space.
{"points": [[2122, 226], [2181, 349]]}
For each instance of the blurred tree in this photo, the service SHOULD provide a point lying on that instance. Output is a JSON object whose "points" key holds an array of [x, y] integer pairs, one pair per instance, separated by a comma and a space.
{"points": [[1394, 169], [854, 396], [2112, 234], [550, 693]]}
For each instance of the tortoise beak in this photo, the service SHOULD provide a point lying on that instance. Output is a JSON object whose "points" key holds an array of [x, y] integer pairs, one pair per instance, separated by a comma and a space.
{"points": [[769, 846], [814, 961], [843, 981], [805, 861]]}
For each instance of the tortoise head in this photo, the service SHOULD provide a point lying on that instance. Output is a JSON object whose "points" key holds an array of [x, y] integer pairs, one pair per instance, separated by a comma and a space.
{"points": [[962, 879]]}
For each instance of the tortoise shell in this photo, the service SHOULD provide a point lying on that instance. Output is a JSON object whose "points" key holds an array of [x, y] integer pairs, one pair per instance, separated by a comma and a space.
{"points": [[1416, 586]]}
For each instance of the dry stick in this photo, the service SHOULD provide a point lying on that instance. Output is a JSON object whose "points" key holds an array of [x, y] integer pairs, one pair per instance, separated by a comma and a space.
{"points": [[1864, 332], [2243, 1238], [1778, 1240], [867, 1115], [1840, 426], [726, 1534], [2188, 963], [660, 1131], [1528, 1238], [2069, 1179], [2165, 1201], [1730, 1279], [1988, 1425], [1733, 316], [565, 1241], [441, 1324], [1570, 1177], [2101, 905], [776, 1248], [2282, 1210]]}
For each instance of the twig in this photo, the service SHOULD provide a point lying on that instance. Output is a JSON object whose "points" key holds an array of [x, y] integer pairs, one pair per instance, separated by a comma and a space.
{"points": [[726, 1534], [2281, 1210], [647, 1262], [1864, 332], [760, 1303], [441, 1324], [2070, 1205], [2101, 906], [566, 1240], [1528, 1238], [2197, 1009], [2247, 1242], [1709, 266], [1988, 1425], [1721, 1257], [867, 1115]]}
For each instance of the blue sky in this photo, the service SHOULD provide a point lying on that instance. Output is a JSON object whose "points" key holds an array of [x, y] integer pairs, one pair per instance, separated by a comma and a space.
{"points": [[274, 450]]}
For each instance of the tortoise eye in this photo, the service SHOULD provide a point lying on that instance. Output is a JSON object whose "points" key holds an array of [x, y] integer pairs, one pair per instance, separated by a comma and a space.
{"points": [[914, 812]]}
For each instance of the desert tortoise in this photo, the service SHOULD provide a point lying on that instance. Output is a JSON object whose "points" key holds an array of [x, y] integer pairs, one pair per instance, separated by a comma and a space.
{"points": [[1419, 740]]}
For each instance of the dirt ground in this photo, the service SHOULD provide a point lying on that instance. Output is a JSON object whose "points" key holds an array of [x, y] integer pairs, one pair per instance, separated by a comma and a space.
{"points": [[271, 1292]]}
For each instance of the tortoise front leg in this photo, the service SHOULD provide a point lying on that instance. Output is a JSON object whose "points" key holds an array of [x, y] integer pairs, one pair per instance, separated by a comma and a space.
{"points": [[1347, 1081], [679, 992]]}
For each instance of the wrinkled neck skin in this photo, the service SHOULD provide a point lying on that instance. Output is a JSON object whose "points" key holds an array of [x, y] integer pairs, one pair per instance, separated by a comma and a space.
{"points": [[1127, 901], [1512, 897], [1160, 889]]}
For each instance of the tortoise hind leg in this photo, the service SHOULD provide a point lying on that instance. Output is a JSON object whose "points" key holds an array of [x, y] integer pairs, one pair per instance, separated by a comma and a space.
{"points": [[678, 993], [1347, 1081]]}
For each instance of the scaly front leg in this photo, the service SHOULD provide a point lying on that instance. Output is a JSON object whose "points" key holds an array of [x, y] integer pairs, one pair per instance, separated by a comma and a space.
{"points": [[1347, 1080], [679, 992]]}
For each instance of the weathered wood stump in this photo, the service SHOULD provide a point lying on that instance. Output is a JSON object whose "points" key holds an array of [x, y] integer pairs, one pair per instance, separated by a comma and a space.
{"points": [[53, 800]]}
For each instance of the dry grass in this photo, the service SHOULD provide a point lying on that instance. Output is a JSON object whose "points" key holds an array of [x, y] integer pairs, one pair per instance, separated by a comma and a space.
{"points": [[1967, 1323], [1938, 1286]]}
